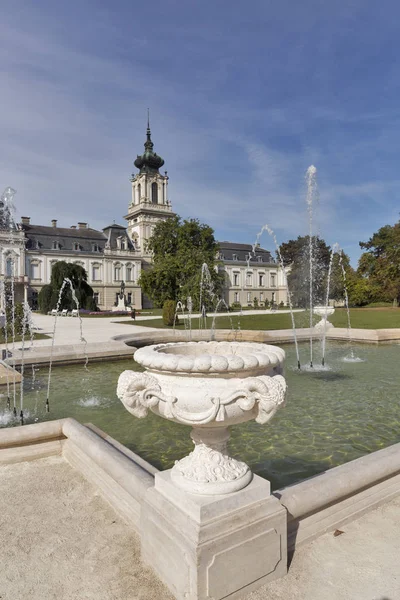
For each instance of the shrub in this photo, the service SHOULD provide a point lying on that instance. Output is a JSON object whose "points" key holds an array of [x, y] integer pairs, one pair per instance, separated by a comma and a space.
{"points": [[236, 306], [169, 313], [18, 319], [255, 302], [266, 303], [281, 304]]}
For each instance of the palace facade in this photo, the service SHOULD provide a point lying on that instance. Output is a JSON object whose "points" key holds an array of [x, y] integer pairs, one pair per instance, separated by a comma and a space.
{"points": [[118, 253]]}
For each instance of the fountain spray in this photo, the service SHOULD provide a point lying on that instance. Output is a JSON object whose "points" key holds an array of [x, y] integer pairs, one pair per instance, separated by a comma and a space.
{"points": [[312, 191], [335, 248], [267, 228]]}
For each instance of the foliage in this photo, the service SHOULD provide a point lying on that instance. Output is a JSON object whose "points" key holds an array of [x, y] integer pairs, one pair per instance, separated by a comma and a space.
{"points": [[296, 253], [379, 265], [49, 294], [47, 298], [179, 249], [169, 313], [255, 302], [236, 306], [18, 318]]}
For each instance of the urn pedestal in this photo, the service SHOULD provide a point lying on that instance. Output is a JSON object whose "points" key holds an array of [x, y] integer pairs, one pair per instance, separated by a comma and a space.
{"points": [[210, 529], [324, 312], [213, 547]]}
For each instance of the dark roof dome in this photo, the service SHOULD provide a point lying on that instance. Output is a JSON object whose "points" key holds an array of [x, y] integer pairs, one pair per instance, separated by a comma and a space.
{"points": [[149, 162]]}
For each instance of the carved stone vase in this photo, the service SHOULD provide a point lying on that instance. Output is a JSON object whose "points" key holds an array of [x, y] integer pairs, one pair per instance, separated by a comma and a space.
{"points": [[324, 312], [210, 386]]}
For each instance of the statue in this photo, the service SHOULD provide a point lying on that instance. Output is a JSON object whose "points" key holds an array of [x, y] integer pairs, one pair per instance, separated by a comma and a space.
{"points": [[121, 294]]}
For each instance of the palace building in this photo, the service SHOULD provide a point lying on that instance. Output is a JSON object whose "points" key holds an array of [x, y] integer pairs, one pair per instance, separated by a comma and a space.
{"points": [[118, 253]]}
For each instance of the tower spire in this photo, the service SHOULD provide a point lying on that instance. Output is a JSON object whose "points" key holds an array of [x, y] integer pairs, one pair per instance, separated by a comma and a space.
{"points": [[149, 162]]}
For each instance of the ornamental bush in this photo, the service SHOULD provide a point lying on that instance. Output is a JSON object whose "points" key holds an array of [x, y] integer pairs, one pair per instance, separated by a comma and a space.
{"points": [[169, 313]]}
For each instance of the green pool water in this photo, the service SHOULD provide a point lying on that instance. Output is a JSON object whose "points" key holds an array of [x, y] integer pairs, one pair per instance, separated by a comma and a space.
{"points": [[331, 416]]}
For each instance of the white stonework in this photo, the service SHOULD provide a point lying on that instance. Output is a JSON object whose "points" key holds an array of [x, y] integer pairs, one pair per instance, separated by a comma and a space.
{"points": [[324, 312], [210, 386], [213, 547]]}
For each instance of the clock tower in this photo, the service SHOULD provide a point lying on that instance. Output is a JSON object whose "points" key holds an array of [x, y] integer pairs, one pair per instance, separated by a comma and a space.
{"points": [[150, 202]]}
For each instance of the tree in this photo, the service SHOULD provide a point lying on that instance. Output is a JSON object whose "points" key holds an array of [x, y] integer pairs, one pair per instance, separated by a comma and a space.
{"points": [[179, 249], [295, 254], [49, 294], [380, 264]]}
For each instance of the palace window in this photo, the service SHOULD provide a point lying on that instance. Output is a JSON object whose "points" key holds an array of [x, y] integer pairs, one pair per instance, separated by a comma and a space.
{"points": [[273, 279], [236, 297], [154, 193], [259, 258], [249, 278], [117, 272], [10, 267], [261, 279], [56, 245], [249, 298], [129, 298], [35, 270], [139, 189], [96, 297], [77, 246], [261, 296], [234, 257], [96, 273], [236, 279], [128, 273]]}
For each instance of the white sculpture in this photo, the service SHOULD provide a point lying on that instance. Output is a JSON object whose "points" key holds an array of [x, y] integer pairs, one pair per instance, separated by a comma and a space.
{"points": [[210, 386], [324, 312]]}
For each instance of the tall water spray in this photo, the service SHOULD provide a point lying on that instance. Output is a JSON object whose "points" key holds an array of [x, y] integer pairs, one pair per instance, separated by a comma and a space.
{"points": [[312, 195], [335, 248], [346, 299], [268, 229], [66, 282]]}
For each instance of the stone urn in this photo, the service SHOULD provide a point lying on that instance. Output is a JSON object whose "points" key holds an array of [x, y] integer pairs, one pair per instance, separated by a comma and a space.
{"points": [[324, 312], [210, 386]]}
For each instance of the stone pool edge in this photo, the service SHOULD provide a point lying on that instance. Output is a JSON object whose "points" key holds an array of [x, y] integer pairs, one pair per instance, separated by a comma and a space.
{"points": [[310, 508]]}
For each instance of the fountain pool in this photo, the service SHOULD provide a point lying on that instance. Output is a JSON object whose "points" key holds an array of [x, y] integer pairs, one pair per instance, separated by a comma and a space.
{"points": [[331, 416]]}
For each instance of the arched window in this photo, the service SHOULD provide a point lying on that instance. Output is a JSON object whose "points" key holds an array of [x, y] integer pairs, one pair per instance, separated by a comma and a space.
{"points": [[139, 191], [128, 272], [154, 193], [35, 269], [117, 272], [9, 267]]}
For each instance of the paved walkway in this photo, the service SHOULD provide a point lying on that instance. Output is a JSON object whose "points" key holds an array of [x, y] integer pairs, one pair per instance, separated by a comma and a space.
{"points": [[95, 330], [60, 541]]}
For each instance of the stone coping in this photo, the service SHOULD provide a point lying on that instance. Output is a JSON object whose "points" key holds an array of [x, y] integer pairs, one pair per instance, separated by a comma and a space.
{"points": [[277, 336], [209, 357], [314, 506]]}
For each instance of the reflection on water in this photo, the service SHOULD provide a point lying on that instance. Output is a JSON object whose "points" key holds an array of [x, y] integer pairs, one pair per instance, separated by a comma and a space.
{"points": [[332, 416]]}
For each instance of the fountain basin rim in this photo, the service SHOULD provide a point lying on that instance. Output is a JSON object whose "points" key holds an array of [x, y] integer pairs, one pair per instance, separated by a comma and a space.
{"points": [[209, 357]]}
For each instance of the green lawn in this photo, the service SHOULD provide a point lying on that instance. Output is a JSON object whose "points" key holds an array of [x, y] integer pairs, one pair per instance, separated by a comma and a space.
{"points": [[37, 336], [361, 318], [367, 318], [261, 321]]}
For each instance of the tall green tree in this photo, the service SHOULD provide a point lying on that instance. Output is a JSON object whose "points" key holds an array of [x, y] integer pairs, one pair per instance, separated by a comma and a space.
{"points": [[296, 255], [380, 264], [49, 294], [179, 249]]}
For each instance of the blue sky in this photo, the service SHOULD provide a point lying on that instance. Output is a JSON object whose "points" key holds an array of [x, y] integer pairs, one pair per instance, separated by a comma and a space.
{"points": [[243, 98]]}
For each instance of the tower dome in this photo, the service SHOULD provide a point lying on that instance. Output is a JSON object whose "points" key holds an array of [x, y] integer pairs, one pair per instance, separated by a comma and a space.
{"points": [[149, 161]]}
